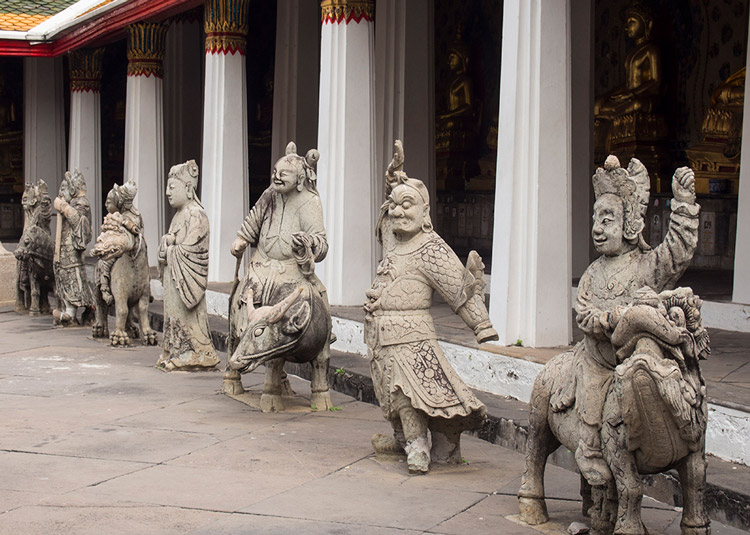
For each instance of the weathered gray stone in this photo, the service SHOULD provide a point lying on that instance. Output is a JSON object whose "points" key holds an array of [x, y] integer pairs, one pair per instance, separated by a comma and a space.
{"points": [[629, 399], [73, 235], [416, 386], [183, 268], [35, 277], [292, 321], [122, 275]]}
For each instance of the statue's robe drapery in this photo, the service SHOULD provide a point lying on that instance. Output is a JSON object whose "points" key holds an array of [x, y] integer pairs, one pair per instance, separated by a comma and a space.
{"points": [[70, 274], [184, 275]]}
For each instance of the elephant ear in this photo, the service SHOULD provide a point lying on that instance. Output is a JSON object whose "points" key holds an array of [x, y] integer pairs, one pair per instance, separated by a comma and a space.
{"points": [[299, 320]]}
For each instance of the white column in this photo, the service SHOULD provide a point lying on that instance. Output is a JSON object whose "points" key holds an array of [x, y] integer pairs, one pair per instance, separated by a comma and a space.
{"points": [[347, 148], [741, 289], [582, 132], [44, 121], [225, 173], [85, 148], [531, 254], [296, 77], [405, 88], [144, 128], [183, 94]]}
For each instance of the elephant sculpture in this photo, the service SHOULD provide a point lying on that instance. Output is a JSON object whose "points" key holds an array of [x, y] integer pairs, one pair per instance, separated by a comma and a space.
{"points": [[654, 416]]}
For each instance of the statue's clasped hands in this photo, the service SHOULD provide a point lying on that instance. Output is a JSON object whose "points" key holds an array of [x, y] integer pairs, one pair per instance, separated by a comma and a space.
{"points": [[59, 203], [238, 247], [683, 185]]}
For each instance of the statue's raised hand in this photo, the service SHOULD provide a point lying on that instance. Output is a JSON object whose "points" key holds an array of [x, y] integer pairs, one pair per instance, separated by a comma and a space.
{"points": [[683, 185], [238, 246]]}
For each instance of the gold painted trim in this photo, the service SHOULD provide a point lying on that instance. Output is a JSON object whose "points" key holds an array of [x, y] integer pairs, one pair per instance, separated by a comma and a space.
{"points": [[85, 68], [146, 44], [337, 11], [226, 25]]}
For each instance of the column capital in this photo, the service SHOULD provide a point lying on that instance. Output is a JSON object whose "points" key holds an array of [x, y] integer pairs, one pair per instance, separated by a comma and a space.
{"points": [[85, 69], [146, 43], [226, 24], [337, 11]]}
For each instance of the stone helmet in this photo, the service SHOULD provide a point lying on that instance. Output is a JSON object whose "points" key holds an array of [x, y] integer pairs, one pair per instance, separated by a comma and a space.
{"points": [[75, 180]]}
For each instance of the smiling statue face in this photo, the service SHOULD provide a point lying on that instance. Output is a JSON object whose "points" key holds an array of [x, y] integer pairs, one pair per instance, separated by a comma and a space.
{"points": [[177, 194], [608, 225], [407, 212], [284, 177]]}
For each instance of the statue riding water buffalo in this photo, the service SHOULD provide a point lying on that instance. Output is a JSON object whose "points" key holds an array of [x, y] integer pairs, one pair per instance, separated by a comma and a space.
{"points": [[629, 399]]}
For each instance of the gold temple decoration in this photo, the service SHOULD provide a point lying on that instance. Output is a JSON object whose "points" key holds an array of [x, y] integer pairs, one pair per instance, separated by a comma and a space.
{"points": [[226, 25], [146, 43], [85, 67], [627, 120], [337, 11], [716, 159]]}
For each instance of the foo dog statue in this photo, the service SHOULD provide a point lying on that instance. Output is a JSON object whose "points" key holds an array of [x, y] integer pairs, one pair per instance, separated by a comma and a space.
{"points": [[35, 251], [281, 310], [122, 275], [629, 399]]}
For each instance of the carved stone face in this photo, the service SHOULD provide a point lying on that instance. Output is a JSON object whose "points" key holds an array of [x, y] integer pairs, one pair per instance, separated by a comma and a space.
{"points": [[66, 191], [406, 211], [177, 193], [608, 225], [284, 177], [110, 203]]}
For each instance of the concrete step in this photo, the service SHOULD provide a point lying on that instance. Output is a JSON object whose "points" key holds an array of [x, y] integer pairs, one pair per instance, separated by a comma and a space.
{"points": [[727, 495]]}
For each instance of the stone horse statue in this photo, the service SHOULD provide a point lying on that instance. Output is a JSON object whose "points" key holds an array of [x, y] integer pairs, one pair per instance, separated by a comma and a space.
{"points": [[296, 329], [654, 415], [122, 274], [35, 251]]}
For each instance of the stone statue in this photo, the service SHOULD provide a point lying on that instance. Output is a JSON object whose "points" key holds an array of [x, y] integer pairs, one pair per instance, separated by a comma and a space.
{"points": [[183, 268], [35, 251], [73, 235], [416, 386], [629, 399], [293, 321], [122, 275], [627, 120]]}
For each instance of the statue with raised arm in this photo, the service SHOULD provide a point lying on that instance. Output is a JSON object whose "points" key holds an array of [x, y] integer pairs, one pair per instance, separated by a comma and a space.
{"points": [[183, 268], [73, 235], [280, 309], [418, 390], [629, 399]]}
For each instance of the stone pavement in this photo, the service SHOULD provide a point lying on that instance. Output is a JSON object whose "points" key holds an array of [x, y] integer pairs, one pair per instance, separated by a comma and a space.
{"points": [[96, 440]]}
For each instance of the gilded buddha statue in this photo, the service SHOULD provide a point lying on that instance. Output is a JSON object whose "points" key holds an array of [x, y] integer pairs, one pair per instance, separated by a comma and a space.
{"points": [[627, 119], [716, 159], [457, 126]]}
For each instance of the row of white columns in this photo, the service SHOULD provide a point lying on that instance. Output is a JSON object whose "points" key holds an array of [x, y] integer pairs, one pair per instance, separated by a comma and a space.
{"points": [[545, 94]]}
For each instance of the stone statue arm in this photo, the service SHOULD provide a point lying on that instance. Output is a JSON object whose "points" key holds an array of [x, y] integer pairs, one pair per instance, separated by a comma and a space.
{"points": [[249, 232], [187, 260], [591, 319], [311, 225], [669, 260], [77, 215], [461, 287]]}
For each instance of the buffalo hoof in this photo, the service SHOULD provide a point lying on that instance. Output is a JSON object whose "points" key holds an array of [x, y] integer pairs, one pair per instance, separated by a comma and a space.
{"points": [[418, 462], [99, 330], [271, 403], [150, 338], [695, 530], [321, 401], [533, 510], [119, 338]]}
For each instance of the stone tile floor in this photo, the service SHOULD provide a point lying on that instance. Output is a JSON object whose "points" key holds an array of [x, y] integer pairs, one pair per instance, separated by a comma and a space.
{"points": [[96, 440]]}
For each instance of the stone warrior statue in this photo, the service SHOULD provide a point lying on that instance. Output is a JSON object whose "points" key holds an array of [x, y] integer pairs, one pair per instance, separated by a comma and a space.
{"points": [[122, 274], [73, 235], [417, 388], [286, 226], [629, 398], [183, 268]]}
